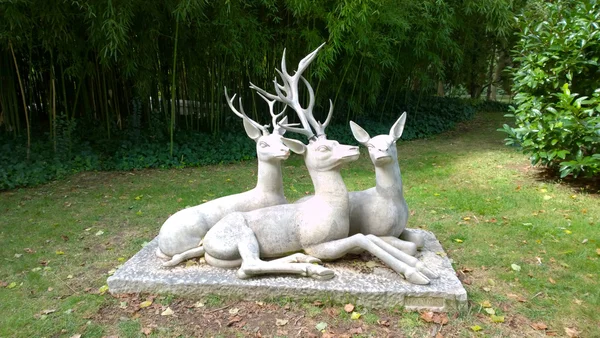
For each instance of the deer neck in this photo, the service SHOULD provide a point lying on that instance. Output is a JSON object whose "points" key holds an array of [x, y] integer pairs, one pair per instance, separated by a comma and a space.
{"points": [[269, 177], [329, 184], [389, 179]]}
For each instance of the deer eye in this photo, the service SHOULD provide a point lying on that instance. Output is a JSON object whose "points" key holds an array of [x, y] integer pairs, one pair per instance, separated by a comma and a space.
{"points": [[263, 144], [323, 148]]}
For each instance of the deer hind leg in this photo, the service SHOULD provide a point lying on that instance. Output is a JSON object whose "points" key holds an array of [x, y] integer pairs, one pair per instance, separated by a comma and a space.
{"points": [[414, 237], [407, 247], [386, 243], [338, 248], [161, 254], [188, 254]]}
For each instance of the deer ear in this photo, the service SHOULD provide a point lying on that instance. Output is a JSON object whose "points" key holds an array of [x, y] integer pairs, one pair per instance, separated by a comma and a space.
{"points": [[359, 134], [251, 130], [280, 130], [294, 145], [398, 127]]}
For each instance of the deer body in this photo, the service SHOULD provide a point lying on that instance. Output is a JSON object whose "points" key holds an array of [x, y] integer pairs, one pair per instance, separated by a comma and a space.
{"points": [[181, 235], [382, 210]]}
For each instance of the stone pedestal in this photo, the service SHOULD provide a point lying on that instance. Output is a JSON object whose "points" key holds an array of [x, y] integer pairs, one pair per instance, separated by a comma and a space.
{"points": [[355, 283]]}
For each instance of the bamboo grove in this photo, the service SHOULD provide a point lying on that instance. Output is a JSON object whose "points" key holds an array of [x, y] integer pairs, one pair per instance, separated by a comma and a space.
{"points": [[111, 65]]}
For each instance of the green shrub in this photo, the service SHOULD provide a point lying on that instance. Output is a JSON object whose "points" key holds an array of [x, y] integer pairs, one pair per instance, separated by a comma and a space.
{"points": [[84, 149], [557, 81]]}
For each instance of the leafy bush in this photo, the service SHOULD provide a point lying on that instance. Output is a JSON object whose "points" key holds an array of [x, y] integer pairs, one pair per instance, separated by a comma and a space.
{"points": [[140, 148], [557, 81]]}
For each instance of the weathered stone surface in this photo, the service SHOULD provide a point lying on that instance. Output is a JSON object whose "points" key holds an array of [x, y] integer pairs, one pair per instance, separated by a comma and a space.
{"points": [[381, 288]]}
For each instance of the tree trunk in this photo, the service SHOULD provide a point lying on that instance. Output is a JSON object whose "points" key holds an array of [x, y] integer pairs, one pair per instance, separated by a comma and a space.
{"points": [[440, 88]]}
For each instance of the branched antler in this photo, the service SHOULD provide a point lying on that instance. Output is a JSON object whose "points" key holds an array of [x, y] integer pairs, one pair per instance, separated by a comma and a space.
{"points": [[242, 113], [288, 93]]}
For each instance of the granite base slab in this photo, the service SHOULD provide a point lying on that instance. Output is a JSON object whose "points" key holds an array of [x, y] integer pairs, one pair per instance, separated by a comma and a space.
{"points": [[380, 287]]}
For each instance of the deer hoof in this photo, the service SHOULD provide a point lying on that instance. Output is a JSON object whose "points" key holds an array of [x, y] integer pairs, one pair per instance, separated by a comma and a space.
{"points": [[302, 258], [320, 273], [241, 274], [416, 277], [426, 271]]}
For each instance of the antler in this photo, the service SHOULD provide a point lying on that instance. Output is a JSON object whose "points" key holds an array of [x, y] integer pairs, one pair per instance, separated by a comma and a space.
{"points": [[243, 115], [274, 116], [288, 93]]}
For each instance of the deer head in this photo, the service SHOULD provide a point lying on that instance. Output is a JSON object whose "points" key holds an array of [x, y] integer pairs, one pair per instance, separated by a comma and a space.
{"points": [[382, 148], [320, 154], [268, 146]]}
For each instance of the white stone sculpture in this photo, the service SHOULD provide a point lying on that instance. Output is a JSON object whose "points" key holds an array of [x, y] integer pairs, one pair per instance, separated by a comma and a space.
{"points": [[180, 235], [319, 226], [382, 210]]}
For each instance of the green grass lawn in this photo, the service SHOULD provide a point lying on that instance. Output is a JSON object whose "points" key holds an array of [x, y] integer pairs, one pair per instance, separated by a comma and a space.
{"points": [[525, 247]]}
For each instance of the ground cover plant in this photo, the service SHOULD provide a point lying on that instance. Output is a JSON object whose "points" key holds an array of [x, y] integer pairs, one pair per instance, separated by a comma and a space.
{"points": [[526, 249]]}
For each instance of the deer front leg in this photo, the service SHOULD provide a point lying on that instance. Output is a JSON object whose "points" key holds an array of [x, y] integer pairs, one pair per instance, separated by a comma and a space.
{"points": [[414, 237], [252, 264], [386, 243], [407, 247], [338, 248]]}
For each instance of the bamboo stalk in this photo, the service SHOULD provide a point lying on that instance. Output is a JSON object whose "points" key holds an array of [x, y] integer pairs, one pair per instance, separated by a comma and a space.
{"points": [[173, 85], [23, 98]]}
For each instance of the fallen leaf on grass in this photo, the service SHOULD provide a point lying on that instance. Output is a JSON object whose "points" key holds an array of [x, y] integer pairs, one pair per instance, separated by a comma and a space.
{"points": [[371, 264], [76, 336], [539, 326], [281, 322], [199, 304], [515, 267], [235, 319], [145, 304], [383, 322], [516, 297], [458, 240], [572, 332], [17, 255], [59, 252], [427, 316], [355, 315], [11, 285], [99, 233], [102, 290], [552, 281], [598, 251], [321, 326], [48, 311], [497, 319], [29, 250], [486, 303], [146, 331], [234, 311], [167, 312], [476, 328], [349, 308], [490, 311]]}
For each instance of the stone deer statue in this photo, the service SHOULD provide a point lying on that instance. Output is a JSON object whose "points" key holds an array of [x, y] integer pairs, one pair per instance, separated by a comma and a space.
{"points": [[180, 235], [318, 227], [382, 210]]}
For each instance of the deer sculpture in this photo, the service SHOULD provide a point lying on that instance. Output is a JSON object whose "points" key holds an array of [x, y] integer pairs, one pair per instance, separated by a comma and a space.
{"points": [[180, 235], [382, 210], [319, 227]]}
